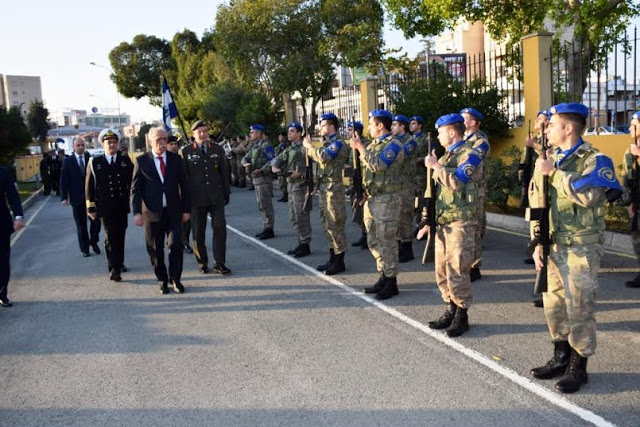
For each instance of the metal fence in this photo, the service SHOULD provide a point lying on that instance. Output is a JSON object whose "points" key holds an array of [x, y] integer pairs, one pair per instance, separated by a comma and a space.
{"points": [[344, 102]]}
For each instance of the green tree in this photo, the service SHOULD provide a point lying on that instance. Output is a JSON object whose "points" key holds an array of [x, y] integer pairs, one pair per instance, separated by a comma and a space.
{"points": [[14, 135], [38, 122], [595, 25]]}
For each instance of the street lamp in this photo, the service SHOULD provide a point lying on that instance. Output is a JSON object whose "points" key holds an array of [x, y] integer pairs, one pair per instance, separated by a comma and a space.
{"points": [[117, 93]]}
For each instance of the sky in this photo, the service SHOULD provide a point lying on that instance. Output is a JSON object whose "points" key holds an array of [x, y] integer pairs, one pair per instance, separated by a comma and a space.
{"points": [[58, 40]]}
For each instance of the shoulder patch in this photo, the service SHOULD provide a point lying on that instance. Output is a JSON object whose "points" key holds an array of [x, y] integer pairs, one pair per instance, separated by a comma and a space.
{"points": [[269, 152], [410, 147], [482, 148], [333, 149], [466, 169], [390, 152]]}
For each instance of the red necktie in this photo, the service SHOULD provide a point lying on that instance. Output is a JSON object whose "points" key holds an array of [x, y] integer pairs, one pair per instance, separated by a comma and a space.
{"points": [[161, 165]]}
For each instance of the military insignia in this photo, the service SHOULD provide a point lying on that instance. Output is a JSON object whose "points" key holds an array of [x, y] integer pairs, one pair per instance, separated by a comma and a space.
{"points": [[468, 169], [333, 148], [607, 174], [389, 155]]}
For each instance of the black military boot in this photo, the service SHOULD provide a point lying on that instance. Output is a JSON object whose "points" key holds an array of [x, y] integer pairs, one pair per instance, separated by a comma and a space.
{"points": [[377, 287], [323, 267], [406, 252], [294, 250], [337, 266], [267, 234], [361, 241], [575, 375], [460, 323], [365, 245], [558, 363], [390, 289], [303, 250], [635, 283], [475, 274], [445, 320]]}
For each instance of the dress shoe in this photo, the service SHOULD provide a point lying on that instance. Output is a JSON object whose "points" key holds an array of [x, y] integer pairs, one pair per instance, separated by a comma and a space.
{"points": [[6, 302], [164, 289], [267, 234], [115, 275], [188, 249], [475, 274], [221, 269], [204, 269], [177, 286], [86, 254], [95, 248], [123, 269]]}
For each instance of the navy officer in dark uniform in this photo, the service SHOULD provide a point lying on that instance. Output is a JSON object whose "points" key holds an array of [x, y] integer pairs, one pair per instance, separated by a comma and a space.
{"points": [[8, 224], [107, 188], [207, 173]]}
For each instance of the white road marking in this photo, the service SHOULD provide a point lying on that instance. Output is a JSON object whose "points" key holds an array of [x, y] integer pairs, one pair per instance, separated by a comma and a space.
{"points": [[511, 375], [16, 236]]}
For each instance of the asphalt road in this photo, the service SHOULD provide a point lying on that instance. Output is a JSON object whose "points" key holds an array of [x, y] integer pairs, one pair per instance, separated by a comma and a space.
{"points": [[277, 344]]}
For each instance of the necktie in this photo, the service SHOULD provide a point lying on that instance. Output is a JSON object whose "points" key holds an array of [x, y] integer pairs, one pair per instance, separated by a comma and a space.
{"points": [[162, 166], [81, 161], [113, 160], [204, 149]]}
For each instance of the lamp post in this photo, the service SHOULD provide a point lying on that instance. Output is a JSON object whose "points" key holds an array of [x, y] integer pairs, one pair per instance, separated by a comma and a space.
{"points": [[117, 93]]}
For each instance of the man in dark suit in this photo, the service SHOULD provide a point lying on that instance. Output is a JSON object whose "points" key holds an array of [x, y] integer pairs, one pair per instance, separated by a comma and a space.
{"points": [[173, 145], [107, 188], [207, 173], [72, 180], [8, 224], [160, 200]]}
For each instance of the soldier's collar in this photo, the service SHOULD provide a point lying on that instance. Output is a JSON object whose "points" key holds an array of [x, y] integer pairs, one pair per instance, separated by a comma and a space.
{"points": [[385, 136], [455, 146], [418, 134]]}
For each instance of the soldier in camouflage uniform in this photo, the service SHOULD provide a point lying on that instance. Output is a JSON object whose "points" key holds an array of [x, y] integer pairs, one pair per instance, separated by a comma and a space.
{"points": [[416, 126], [239, 152], [258, 160], [480, 142], [282, 179], [381, 163], [579, 180], [291, 163], [357, 207], [457, 175], [330, 159], [399, 129], [631, 166]]}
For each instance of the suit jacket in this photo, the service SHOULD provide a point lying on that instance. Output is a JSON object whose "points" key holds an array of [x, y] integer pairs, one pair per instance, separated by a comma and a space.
{"points": [[72, 179], [8, 193], [208, 174], [147, 188], [107, 187]]}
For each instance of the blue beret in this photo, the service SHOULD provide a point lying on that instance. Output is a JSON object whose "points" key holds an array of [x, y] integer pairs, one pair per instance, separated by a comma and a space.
{"points": [[570, 108], [545, 112], [296, 125], [636, 115], [475, 113], [329, 116], [381, 114], [449, 119], [356, 125], [401, 118], [257, 127], [418, 119]]}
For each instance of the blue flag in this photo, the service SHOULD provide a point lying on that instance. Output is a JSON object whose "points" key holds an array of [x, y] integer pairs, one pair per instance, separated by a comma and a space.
{"points": [[169, 110]]}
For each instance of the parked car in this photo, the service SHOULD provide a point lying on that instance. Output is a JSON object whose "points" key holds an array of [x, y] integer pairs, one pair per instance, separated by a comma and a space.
{"points": [[601, 130]]}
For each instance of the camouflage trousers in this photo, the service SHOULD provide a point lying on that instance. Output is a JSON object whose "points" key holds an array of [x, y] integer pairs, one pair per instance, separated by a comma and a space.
{"points": [[381, 215], [635, 240], [454, 256], [333, 214], [242, 175], [407, 208], [570, 300], [421, 188], [264, 192], [481, 215], [300, 220], [357, 214], [282, 183]]}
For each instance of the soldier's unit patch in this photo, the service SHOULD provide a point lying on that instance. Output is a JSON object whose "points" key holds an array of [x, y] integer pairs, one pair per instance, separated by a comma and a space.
{"points": [[410, 147], [389, 153], [333, 149], [602, 176], [468, 167]]}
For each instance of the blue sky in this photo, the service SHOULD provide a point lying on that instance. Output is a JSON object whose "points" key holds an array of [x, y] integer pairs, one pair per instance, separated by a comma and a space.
{"points": [[58, 40]]}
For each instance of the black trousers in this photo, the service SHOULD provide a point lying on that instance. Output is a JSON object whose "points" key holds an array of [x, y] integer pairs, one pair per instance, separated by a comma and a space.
{"points": [[85, 238], [115, 228], [186, 231], [5, 265], [154, 233], [219, 226]]}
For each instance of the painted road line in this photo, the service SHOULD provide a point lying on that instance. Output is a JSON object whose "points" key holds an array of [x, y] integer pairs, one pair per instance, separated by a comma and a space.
{"points": [[16, 236]]}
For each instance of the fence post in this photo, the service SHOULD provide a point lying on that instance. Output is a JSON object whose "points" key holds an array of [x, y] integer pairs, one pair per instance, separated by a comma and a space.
{"points": [[536, 50], [368, 98]]}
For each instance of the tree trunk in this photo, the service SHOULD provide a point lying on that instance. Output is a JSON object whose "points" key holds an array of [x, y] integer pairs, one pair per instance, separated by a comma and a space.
{"points": [[578, 64]]}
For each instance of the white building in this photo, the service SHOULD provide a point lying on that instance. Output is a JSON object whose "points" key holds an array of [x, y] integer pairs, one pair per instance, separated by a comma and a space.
{"points": [[19, 91]]}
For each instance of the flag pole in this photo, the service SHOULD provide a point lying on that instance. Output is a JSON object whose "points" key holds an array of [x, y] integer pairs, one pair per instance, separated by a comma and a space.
{"points": [[186, 135]]}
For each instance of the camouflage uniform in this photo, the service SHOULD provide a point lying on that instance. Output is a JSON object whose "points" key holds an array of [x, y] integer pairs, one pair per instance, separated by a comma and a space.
{"points": [[282, 179], [408, 188], [628, 165], [290, 160], [358, 212], [577, 226], [456, 212], [331, 158], [260, 156], [421, 172], [381, 164], [480, 144]]}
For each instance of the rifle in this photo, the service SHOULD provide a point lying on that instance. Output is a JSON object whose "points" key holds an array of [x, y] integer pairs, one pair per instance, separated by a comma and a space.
{"points": [[525, 171], [542, 235], [308, 177], [357, 168], [428, 206], [634, 184]]}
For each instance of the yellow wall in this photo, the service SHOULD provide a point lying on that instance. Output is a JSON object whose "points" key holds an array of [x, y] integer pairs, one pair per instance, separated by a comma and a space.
{"points": [[27, 167]]}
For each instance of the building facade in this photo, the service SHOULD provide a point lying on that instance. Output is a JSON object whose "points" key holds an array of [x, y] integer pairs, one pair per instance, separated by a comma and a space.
{"points": [[19, 91]]}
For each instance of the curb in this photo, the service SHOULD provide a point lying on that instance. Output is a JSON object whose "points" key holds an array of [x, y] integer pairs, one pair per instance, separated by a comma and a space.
{"points": [[31, 200], [612, 241]]}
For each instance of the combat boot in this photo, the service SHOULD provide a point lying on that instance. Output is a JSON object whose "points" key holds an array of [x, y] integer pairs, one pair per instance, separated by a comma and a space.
{"points": [[558, 363], [267, 234], [294, 250], [635, 283], [337, 266], [389, 290], [406, 252], [474, 274], [377, 287], [303, 250], [575, 376], [361, 241], [445, 320], [326, 265], [460, 323]]}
